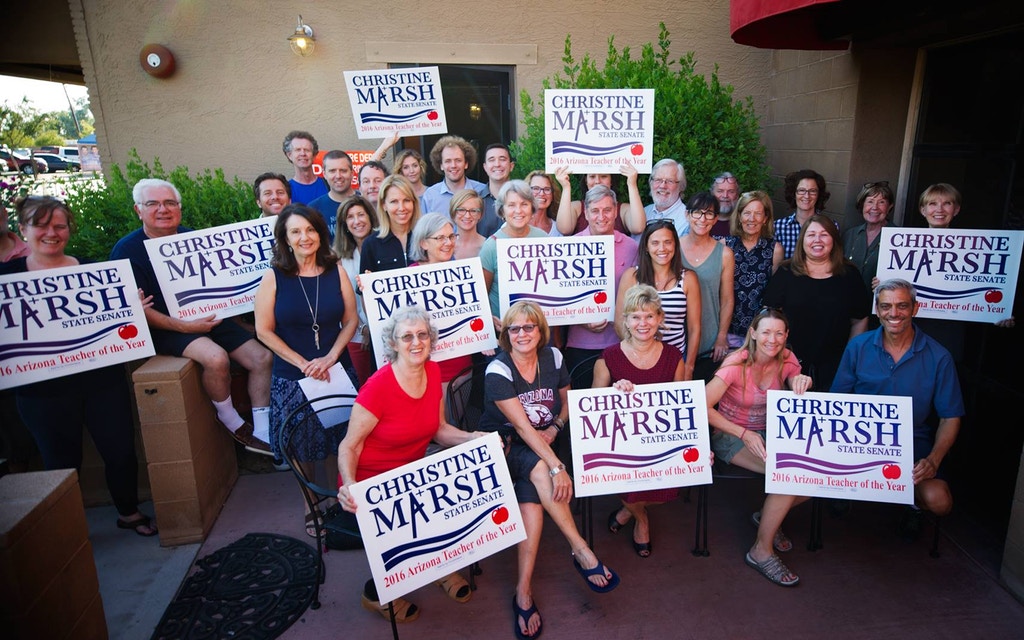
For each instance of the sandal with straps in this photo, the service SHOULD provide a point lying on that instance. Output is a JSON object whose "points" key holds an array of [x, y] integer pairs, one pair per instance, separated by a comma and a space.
{"points": [[781, 541], [455, 587], [773, 569], [405, 611]]}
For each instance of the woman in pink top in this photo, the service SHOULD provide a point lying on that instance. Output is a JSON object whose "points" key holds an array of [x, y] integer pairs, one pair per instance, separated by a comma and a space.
{"points": [[740, 391]]}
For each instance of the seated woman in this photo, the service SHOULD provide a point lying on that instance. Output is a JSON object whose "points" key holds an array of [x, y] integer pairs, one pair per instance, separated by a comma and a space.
{"points": [[641, 358], [525, 394], [740, 389], [396, 415]]}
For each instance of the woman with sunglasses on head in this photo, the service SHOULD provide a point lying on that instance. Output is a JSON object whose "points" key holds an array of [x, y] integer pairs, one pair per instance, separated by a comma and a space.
{"points": [[757, 256], [661, 266], [714, 264], [466, 209], [526, 390], [546, 194], [641, 358], [55, 410], [737, 398]]}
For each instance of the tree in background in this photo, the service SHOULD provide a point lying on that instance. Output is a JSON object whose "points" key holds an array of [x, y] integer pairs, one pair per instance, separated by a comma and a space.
{"points": [[696, 119], [23, 125]]}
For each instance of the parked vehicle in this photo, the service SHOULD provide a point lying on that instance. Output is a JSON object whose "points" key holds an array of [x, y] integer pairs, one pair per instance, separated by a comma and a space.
{"points": [[23, 162], [3, 166], [57, 163]]}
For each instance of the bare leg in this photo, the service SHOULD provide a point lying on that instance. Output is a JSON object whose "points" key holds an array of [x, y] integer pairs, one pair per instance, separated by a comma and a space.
{"points": [[933, 495], [642, 528], [772, 514], [533, 522], [216, 367], [257, 360]]}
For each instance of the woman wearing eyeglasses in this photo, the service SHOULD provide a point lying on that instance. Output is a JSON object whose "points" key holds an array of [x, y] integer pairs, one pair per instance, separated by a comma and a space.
{"points": [[397, 413], [545, 192], [757, 257], [466, 209], [807, 194], [433, 241], [714, 264], [860, 243], [525, 400], [661, 266]]}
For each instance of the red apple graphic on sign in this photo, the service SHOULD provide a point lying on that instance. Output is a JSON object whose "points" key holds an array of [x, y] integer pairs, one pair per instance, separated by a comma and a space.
{"points": [[636, 149], [127, 331], [432, 115], [891, 471], [476, 324], [600, 297], [691, 454], [993, 296], [499, 515]]}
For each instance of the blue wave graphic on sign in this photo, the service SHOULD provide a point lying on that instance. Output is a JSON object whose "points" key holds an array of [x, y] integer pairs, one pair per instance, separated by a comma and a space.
{"points": [[9, 351], [409, 550], [191, 296], [797, 461], [595, 460], [444, 332], [568, 146], [931, 293], [392, 118], [551, 301]]}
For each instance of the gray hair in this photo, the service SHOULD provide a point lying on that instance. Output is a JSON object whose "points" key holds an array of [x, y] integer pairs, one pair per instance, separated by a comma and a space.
{"points": [[680, 171], [725, 176], [413, 314], [428, 225], [895, 284], [152, 183], [598, 192], [518, 187]]}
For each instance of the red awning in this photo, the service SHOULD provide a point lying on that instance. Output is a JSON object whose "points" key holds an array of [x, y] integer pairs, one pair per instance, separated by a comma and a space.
{"points": [[781, 24]]}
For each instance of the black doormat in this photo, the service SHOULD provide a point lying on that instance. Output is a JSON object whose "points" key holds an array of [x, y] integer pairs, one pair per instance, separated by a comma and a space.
{"points": [[254, 588]]}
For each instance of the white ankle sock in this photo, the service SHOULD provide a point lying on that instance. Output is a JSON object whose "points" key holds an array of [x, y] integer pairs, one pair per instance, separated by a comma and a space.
{"points": [[261, 423], [227, 414]]}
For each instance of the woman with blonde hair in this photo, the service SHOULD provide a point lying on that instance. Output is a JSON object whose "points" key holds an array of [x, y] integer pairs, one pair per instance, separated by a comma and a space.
{"points": [[466, 209], [756, 256], [399, 211]]}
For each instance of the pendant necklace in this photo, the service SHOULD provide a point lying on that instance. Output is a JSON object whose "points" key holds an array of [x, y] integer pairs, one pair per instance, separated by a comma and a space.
{"points": [[313, 311]]}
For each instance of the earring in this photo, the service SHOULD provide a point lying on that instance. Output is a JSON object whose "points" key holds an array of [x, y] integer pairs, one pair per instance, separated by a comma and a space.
{"points": [[290, 250]]}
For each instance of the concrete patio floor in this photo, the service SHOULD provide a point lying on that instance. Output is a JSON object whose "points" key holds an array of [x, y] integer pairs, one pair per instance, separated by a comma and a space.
{"points": [[864, 583]]}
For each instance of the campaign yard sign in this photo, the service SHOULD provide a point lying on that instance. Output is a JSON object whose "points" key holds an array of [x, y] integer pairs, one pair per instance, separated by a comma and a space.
{"points": [[836, 445], [653, 437], [598, 130], [387, 100], [213, 270], [62, 321], [454, 295], [959, 274], [431, 517], [571, 279]]}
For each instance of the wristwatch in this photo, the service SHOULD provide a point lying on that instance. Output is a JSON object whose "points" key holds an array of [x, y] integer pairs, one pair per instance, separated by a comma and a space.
{"points": [[557, 470], [558, 424]]}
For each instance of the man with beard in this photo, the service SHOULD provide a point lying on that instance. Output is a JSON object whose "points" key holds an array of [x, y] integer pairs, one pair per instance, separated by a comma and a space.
{"points": [[338, 171], [726, 190], [668, 182]]}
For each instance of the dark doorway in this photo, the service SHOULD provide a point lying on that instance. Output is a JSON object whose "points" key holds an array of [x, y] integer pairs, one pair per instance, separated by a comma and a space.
{"points": [[478, 106], [969, 134]]}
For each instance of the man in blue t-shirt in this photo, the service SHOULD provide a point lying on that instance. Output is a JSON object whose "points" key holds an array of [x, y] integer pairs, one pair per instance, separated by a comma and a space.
{"points": [[338, 170], [300, 148]]}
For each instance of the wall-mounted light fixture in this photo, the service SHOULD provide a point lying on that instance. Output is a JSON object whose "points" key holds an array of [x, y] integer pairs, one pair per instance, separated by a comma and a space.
{"points": [[302, 41], [475, 111]]}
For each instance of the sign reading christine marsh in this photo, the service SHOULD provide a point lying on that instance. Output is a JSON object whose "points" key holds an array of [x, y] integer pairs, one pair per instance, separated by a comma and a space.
{"points": [[386, 100], [598, 130], [959, 274], [654, 437], [431, 517], [571, 279], [58, 322], [837, 445], [213, 270], [454, 295]]}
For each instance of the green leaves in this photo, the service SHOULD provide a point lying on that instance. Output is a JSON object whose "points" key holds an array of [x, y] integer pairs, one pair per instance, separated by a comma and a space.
{"points": [[697, 119]]}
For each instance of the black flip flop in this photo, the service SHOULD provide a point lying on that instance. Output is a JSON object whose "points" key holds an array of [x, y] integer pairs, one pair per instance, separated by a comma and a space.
{"points": [[144, 521]]}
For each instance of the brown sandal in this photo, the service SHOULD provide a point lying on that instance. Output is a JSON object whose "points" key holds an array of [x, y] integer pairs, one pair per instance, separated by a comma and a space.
{"points": [[455, 587], [405, 611]]}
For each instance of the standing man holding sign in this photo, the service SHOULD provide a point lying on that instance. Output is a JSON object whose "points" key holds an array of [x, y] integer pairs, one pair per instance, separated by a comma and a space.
{"points": [[898, 359], [211, 343]]}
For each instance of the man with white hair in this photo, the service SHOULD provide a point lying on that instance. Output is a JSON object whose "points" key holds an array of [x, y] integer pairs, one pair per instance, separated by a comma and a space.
{"points": [[668, 183], [213, 344]]}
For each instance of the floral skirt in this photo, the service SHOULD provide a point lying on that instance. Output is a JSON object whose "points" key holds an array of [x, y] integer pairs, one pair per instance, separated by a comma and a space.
{"points": [[311, 441]]}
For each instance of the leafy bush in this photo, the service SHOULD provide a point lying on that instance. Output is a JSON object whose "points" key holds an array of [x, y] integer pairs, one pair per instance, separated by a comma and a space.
{"points": [[696, 120], [104, 211]]}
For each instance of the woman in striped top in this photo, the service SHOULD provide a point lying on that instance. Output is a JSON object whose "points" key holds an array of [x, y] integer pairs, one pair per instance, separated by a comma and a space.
{"points": [[661, 267]]}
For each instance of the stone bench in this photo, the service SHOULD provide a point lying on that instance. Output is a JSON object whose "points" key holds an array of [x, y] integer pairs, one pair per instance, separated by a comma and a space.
{"points": [[191, 457]]}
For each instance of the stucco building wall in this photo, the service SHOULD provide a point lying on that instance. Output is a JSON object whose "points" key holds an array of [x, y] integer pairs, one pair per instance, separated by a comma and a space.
{"points": [[238, 88]]}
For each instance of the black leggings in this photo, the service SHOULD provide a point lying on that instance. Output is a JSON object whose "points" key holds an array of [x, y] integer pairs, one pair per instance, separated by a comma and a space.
{"points": [[55, 411]]}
